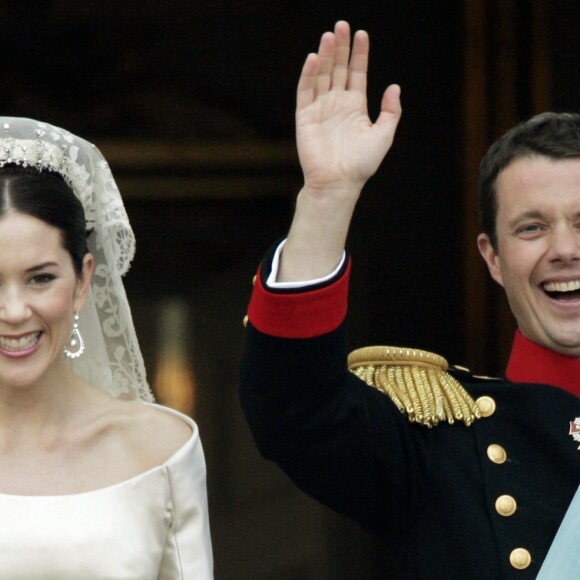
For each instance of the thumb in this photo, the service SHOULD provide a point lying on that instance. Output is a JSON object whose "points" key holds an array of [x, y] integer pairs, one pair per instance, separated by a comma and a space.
{"points": [[391, 109]]}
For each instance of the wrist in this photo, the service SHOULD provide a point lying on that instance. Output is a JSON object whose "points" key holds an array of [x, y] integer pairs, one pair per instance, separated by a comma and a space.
{"points": [[316, 239], [334, 191]]}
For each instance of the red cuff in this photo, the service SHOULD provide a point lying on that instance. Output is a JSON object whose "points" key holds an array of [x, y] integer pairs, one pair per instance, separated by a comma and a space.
{"points": [[302, 314]]}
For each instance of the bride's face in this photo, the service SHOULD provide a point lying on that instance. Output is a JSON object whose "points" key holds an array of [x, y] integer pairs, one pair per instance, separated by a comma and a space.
{"points": [[39, 294]]}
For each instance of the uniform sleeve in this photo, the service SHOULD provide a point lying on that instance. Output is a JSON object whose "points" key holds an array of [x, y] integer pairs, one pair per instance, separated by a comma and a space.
{"points": [[188, 552], [340, 441], [299, 312]]}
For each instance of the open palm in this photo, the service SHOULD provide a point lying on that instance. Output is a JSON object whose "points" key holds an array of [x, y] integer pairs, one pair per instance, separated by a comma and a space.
{"points": [[338, 145]]}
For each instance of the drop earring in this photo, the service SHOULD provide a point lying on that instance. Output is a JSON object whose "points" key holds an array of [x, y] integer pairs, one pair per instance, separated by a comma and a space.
{"points": [[76, 344]]}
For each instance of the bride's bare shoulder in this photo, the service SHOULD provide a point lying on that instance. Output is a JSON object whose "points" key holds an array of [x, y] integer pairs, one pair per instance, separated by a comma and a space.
{"points": [[151, 432]]}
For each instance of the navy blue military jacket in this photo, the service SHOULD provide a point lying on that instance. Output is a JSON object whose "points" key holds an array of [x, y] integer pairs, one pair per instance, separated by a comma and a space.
{"points": [[455, 502]]}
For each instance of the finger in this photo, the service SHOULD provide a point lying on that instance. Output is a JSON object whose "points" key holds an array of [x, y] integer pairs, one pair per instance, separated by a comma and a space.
{"points": [[326, 51], [341, 54], [306, 91], [391, 111], [359, 61], [391, 101]]}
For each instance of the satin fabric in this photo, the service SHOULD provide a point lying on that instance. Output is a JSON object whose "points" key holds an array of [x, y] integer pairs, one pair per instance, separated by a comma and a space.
{"points": [[152, 526], [563, 559]]}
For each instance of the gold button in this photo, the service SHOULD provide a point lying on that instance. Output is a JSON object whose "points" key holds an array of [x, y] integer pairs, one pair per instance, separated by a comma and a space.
{"points": [[520, 558], [254, 280], [496, 453], [245, 320], [506, 505], [486, 406]]}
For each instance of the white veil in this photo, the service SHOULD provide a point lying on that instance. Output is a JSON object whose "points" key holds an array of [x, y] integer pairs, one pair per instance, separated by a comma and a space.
{"points": [[112, 359]]}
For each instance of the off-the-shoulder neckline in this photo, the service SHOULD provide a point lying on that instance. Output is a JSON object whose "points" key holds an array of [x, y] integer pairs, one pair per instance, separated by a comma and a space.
{"points": [[130, 480]]}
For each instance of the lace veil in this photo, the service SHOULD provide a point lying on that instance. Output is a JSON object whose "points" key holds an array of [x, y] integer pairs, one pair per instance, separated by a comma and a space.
{"points": [[112, 359]]}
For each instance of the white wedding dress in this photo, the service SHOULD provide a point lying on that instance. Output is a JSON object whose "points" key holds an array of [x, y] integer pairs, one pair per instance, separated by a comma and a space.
{"points": [[152, 526]]}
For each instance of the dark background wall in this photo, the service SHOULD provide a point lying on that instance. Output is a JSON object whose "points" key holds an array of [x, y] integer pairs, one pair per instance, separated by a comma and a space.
{"points": [[192, 103]]}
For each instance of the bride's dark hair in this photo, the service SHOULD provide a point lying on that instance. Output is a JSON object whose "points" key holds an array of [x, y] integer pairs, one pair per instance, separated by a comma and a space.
{"points": [[46, 196]]}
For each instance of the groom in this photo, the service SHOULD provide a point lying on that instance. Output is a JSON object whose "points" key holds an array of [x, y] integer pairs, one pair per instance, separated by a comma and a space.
{"points": [[466, 477]]}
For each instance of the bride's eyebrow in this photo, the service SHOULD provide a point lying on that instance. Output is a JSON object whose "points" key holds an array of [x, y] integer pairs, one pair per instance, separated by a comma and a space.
{"points": [[39, 267]]}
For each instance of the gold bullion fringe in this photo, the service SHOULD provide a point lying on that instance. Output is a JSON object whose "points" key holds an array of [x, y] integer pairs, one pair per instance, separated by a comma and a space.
{"points": [[417, 382]]}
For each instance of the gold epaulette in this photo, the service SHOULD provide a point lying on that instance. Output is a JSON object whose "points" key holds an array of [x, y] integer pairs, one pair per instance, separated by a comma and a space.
{"points": [[417, 382]]}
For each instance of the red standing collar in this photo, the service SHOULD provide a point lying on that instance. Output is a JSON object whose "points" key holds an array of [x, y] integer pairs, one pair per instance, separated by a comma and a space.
{"points": [[532, 363]]}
